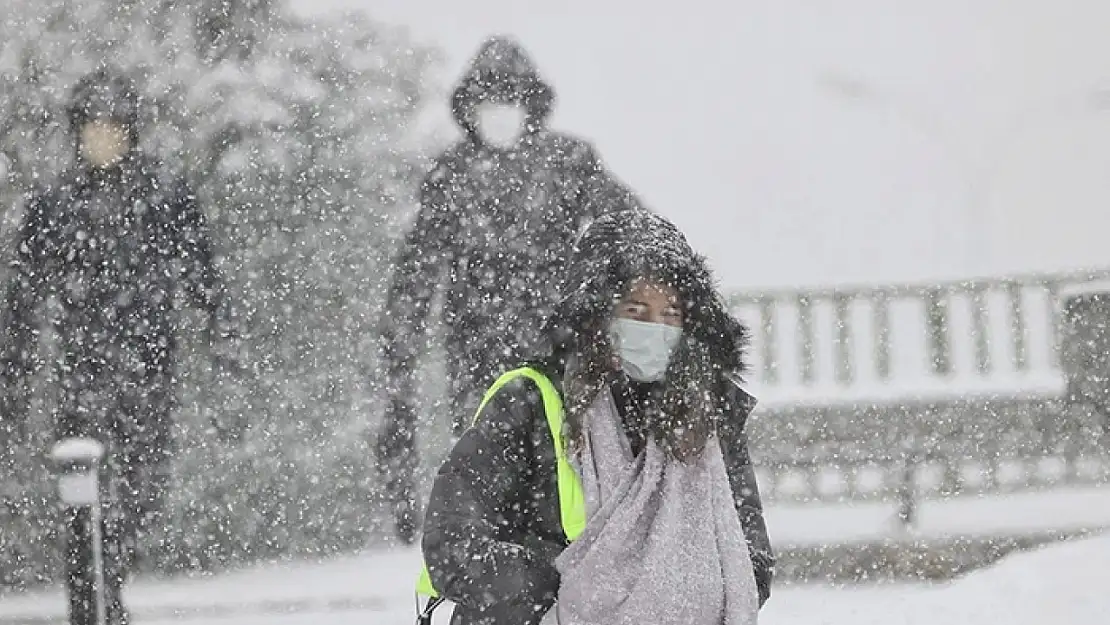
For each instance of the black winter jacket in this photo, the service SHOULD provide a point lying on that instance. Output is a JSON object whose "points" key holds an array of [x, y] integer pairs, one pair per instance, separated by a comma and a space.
{"points": [[495, 227], [112, 249], [492, 528]]}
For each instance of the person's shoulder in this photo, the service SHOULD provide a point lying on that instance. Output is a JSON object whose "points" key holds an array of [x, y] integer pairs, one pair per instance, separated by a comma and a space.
{"points": [[174, 185], [39, 198], [522, 394], [520, 390], [43, 200], [454, 157], [573, 147], [524, 387], [158, 184], [440, 170]]}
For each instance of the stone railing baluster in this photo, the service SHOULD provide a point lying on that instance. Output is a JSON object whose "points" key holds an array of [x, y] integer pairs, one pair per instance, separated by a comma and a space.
{"points": [[1015, 291], [767, 340], [980, 324], [881, 311], [844, 354], [806, 346], [979, 343], [936, 331], [1055, 321]]}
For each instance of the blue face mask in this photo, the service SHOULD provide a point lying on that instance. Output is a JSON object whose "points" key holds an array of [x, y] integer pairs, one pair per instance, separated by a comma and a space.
{"points": [[645, 349]]}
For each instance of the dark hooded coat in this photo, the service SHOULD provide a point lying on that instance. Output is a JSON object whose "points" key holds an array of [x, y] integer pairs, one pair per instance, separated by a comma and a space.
{"points": [[113, 248], [495, 227], [492, 529]]}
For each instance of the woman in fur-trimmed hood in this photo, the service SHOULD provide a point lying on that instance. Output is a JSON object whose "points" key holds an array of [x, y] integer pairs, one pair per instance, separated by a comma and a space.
{"points": [[617, 252], [647, 361]]}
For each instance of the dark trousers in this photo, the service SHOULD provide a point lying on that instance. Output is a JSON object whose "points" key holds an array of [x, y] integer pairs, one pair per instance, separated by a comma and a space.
{"points": [[129, 411], [397, 457], [398, 460], [474, 361], [131, 503]]}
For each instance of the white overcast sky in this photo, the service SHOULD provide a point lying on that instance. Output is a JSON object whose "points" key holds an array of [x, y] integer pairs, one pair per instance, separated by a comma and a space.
{"points": [[731, 117]]}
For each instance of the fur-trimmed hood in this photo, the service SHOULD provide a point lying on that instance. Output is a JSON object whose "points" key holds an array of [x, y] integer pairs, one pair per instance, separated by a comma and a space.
{"points": [[621, 246]]}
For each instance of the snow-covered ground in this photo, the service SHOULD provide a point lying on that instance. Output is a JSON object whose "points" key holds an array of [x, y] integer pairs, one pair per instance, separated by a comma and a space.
{"points": [[375, 583], [1064, 510], [1062, 583], [376, 587]]}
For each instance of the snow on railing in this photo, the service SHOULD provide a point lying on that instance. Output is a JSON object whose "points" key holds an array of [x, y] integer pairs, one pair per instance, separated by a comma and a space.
{"points": [[887, 343], [900, 391]]}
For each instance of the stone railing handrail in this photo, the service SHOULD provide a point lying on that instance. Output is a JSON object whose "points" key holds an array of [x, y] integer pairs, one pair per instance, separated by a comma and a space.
{"points": [[904, 341]]}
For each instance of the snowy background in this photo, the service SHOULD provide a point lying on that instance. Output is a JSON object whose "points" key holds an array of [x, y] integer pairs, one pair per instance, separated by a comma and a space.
{"points": [[784, 136], [1065, 583], [797, 142]]}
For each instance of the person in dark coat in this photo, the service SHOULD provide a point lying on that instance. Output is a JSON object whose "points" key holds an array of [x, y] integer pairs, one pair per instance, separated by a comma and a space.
{"points": [[493, 538], [499, 211], [112, 242]]}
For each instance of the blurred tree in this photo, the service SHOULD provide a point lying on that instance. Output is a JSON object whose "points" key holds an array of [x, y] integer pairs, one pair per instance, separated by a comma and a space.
{"points": [[290, 130]]}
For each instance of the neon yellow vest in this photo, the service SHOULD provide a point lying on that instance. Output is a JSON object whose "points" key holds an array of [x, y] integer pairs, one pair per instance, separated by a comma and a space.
{"points": [[572, 501]]}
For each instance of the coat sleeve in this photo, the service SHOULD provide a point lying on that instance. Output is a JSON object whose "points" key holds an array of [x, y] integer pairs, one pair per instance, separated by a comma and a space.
{"points": [[745, 490], [200, 276], [26, 289], [27, 286], [479, 489], [426, 252], [601, 191]]}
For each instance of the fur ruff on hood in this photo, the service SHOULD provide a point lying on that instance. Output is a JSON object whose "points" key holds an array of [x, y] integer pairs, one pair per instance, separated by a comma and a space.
{"points": [[622, 246]]}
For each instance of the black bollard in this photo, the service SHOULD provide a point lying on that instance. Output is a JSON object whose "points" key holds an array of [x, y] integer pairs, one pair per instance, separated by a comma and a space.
{"points": [[78, 462]]}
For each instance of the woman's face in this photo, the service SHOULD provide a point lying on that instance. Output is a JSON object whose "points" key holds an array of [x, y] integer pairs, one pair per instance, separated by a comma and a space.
{"points": [[651, 302]]}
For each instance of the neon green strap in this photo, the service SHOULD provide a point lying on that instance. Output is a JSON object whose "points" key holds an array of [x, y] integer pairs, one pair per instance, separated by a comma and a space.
{"points": [[572, 499]]}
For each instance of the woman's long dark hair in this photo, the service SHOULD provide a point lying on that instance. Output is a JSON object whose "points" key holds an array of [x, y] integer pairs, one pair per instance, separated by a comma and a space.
{"points": [[617, 249]]}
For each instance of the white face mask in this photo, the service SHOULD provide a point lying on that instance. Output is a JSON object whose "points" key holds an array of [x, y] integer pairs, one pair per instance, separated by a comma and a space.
{"points": [[501, 125], [645, 349]]}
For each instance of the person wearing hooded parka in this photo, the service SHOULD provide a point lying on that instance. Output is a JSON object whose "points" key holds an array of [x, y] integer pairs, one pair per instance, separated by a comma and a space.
{"points": [[610, 476], [111, 242], [498, 214]]}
